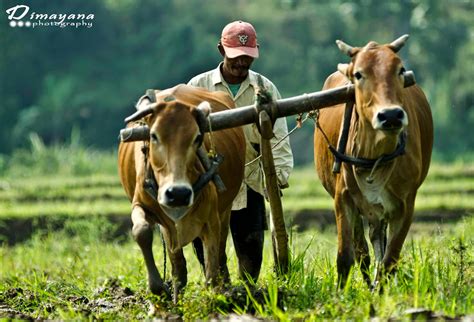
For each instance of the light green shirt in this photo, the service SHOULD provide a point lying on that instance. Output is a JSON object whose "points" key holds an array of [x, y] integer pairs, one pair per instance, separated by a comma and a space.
{"points": [[283, 157]]}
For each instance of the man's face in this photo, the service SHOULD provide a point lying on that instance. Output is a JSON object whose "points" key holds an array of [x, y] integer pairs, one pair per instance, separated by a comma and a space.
{"points": [[237, 67]]}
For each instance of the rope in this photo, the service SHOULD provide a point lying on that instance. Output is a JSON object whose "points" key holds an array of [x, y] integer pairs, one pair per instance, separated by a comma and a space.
{"points": [[299, 123], [164, 253], [212, 151], [371, 164], [316, 123]]}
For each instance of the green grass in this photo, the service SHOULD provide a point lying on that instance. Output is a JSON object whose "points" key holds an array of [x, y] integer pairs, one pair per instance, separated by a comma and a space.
{"points": [[65, 208], [447, 187], [78, 274], [83, 271], [71, 180]]}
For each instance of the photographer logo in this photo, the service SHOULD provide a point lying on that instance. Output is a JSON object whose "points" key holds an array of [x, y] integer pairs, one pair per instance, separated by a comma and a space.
{"points": [[20, 16]]}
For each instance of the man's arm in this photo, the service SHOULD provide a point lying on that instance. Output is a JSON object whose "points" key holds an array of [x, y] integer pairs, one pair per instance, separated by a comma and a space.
{"points": [[282, 154]]}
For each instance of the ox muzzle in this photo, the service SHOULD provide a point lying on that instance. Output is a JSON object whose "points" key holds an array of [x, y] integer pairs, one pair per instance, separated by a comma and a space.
{"points": [[390, 119], [176, 200], [178, 196]]}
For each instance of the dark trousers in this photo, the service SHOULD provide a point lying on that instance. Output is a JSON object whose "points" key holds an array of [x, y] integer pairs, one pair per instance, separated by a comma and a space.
{"points": [[247, 227]]}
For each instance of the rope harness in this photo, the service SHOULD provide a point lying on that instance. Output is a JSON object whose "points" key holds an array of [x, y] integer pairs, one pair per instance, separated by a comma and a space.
{"points": [[365, 163]]}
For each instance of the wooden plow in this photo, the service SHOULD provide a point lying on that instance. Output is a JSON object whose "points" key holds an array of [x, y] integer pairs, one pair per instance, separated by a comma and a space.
{"points": [[264, 113]]}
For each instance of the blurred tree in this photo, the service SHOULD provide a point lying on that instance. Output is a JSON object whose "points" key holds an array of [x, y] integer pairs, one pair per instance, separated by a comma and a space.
{"points": [[56, 79]]}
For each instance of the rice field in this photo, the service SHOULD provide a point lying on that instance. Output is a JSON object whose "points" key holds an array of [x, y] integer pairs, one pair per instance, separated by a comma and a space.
{"points": [[76, 259]]}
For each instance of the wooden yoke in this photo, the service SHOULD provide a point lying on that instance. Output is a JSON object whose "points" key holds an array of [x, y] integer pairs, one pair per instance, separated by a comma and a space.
{"points": [[263, 105], [281, 108]]}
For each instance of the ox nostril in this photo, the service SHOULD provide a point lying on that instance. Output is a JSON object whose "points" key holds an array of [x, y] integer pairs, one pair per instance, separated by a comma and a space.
{"points": [[169, 193], [381, 117], [178, 196], [400, 115]]}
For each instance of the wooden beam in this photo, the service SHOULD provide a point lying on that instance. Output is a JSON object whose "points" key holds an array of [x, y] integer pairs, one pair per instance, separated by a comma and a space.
{"points": [[277, 224], [280, 108]]}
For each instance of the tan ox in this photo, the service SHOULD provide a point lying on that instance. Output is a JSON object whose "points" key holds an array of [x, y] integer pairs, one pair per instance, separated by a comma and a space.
{"points": [[175, 135], [386, 115]]}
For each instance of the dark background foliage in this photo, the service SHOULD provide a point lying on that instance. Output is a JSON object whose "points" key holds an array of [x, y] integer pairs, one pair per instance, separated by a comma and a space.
{"points": [[55, 81]]}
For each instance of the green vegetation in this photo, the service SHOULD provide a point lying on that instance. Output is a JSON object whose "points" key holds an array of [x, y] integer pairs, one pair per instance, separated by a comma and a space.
{"points": [[448, 186], [78, 273], [55, 181], [73, 261], [64, 249]]}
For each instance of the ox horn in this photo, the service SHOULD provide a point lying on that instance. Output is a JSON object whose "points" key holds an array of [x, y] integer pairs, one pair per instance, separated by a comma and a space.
{"points": [[141, 113], [398, 43], [202, 112], [345, 48]]}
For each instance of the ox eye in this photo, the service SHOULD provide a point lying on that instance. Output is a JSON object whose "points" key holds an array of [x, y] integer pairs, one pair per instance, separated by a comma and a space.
{"points": [[154, 138], [358, 75]]}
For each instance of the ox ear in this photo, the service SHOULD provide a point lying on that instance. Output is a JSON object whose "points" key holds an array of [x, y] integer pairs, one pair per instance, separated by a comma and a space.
{"points": [[346, 49], [397, 44], [342, 68]]}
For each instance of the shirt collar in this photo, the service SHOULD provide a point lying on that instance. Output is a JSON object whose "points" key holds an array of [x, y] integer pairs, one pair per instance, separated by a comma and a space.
{"points": [[251, 80], [217, 76]]}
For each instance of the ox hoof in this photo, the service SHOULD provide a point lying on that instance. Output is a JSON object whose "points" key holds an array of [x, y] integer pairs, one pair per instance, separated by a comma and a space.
{"points": [[160, 290]]}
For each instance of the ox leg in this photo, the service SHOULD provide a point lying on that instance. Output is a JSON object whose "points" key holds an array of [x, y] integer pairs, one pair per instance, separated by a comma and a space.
{"points": [[361, 248], [179, 271], [178, 267], [397, 233], [223, 270], [142, 232], [199, 251], [210, 240], [345, 248], [378, 238]]}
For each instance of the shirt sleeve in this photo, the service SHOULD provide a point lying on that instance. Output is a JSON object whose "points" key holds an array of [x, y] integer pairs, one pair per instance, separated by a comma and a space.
{"points": [[194, 82]]}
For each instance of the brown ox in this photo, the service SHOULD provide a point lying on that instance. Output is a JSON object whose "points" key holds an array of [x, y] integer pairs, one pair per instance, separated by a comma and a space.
{"points": [[171, 157], [384, 114]]}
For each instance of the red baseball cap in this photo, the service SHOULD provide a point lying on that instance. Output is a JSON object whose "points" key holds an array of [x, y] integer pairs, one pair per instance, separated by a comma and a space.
{"points": [[239, 38]]}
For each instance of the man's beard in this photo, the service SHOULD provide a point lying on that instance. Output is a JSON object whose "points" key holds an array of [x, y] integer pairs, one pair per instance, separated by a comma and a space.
{"points": [[240, 71]]}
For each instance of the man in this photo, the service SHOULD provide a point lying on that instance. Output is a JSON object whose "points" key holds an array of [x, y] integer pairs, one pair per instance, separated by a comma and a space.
{"points": [[238, 47]]}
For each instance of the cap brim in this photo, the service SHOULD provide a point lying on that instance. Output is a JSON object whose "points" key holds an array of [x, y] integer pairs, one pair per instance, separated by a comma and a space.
{"points": [[233, 52]]}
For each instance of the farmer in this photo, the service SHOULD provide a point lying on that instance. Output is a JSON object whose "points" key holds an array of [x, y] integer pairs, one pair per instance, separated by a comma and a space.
{"points": [[238, 47]]}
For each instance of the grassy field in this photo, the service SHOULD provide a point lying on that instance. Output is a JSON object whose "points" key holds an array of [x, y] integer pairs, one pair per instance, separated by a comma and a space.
{"points": [[72, 264], [447, 187], [79, 273]]}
